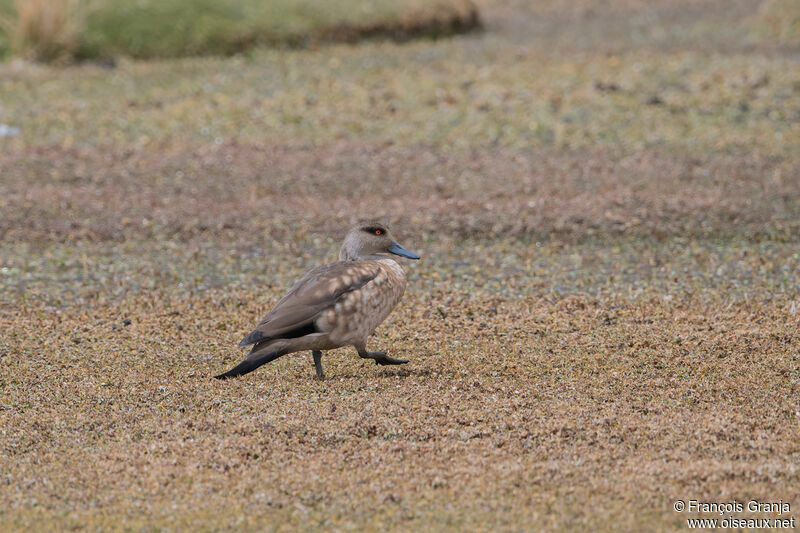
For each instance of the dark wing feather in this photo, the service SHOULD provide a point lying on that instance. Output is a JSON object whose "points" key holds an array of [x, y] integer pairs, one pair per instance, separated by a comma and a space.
{"points": [[295, 315]]}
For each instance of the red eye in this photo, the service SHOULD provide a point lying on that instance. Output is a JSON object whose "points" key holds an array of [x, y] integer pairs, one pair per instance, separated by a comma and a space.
{"points": [[378, 232]]}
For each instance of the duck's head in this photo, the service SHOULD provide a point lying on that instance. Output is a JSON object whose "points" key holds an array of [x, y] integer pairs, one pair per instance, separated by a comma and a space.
{"points": [[368, 238]]}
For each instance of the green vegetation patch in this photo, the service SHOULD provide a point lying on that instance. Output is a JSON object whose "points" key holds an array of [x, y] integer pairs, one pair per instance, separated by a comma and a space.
{"points": [[154, 28]]}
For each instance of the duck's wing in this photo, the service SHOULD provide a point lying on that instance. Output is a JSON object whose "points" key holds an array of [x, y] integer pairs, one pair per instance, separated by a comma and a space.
{"points": [[295, 315]]}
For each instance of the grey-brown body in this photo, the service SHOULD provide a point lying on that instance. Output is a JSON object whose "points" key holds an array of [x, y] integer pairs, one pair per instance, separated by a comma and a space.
{"points": [[357, 314], [334, 305]]}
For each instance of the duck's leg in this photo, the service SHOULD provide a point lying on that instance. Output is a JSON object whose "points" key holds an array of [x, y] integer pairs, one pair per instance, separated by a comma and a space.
{"points": [[317, 354], [380, 357]]}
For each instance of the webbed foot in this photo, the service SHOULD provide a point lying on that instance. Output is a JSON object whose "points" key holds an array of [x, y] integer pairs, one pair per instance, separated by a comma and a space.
{"points": [[381, 358], [386, 360]]}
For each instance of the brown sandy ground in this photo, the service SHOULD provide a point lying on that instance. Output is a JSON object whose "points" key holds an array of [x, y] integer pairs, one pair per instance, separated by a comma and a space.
{"points": [[564, 412]]}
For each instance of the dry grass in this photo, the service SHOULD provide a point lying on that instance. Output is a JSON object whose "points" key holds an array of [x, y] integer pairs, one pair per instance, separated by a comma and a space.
{"points": [[560, 412], [540, 195], [780, 20], [46, 30], [605, 318]]}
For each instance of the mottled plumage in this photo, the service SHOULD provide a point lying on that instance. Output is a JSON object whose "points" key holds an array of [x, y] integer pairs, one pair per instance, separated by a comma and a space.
{"points": [[334, 305]]}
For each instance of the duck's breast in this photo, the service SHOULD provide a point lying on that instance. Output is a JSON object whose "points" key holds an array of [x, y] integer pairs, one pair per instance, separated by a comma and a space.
{"points": [[358, 313]]}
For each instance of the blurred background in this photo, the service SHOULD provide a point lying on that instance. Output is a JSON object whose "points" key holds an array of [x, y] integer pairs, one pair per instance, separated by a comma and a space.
{"points": [[544, 121], [606, 196]]}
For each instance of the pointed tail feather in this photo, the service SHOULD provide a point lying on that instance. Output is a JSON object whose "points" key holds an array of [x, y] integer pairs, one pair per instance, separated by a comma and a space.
{"points": [[253, 361]]}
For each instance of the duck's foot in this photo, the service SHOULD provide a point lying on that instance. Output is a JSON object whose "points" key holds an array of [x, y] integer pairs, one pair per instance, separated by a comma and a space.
{"points": [[317, 354], [381, 358], [386, 360]]}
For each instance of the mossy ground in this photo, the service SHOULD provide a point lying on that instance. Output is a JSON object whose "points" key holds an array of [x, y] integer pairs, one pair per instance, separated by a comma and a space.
{"points": [[174, 28], [606, 317]]}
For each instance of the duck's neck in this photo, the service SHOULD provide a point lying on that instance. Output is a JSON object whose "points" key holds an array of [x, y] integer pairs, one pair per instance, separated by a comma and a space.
{"points": [[345, 255]]}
